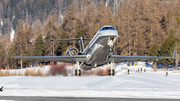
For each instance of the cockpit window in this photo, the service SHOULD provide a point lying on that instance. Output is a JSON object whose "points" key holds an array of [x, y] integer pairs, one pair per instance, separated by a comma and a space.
{"points": [[107, 28], [112, 28]]}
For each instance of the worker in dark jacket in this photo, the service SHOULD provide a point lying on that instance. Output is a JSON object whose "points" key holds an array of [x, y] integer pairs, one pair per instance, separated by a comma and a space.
{"points": [[128, 71], [166, 73]]}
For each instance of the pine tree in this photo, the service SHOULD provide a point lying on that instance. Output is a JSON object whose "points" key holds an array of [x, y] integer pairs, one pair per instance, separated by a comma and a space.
{"points": [[11, 53], [154, 50], [24, 42], [62, 44], [20, 42], [167, 47], [39, 46], [163, 23], [80, 33], [52, 32], [3, 56], [48, 50], [177, 18], [29, 35]]}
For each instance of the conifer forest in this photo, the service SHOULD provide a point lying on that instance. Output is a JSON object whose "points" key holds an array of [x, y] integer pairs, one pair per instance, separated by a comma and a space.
{"points": [[145, 27]]}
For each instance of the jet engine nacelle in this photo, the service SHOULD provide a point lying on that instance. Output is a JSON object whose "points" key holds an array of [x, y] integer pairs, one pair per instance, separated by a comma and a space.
{"points": [[72, 51]]}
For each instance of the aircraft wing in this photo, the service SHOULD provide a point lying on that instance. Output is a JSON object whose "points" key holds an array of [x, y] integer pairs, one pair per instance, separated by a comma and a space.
{"points": [[124, 58], [68, 59]]}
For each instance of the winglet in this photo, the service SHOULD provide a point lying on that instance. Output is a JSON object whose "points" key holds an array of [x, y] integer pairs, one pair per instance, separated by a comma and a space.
{"points": [[174, 53], [6, 52]]}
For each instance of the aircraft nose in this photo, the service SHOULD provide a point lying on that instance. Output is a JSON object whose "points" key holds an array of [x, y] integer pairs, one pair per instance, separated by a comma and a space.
{"points": [[116, 33], [112, 33]]}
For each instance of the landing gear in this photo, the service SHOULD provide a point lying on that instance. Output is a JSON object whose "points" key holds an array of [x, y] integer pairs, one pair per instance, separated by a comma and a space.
{"points": [[78, 72], [111, 50], [78, 69], [111, 72], [112, 69], [111, 40]]}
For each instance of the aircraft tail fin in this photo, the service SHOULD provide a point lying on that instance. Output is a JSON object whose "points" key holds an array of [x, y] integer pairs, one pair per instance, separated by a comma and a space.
{"points": [[80, 40]]}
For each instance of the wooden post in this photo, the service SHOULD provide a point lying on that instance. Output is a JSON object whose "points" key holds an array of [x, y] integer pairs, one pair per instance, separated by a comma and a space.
{"points": [[21, 64], [155, 66], [129, 64], [176, 58]]}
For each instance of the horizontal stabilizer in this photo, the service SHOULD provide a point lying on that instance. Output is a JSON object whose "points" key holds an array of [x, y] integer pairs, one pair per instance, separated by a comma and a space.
{"points": [[75, 39]]}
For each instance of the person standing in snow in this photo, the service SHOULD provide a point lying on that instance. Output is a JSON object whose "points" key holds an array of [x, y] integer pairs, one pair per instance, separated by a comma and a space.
{"points": [[128, 71], [166, 73]]}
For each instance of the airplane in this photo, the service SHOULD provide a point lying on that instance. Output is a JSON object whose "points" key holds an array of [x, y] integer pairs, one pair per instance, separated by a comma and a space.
{"points": [[1, 89], [97, 53]]}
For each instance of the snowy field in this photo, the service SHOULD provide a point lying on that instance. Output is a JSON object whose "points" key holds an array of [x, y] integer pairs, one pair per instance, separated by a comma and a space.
{"points": [[135, 85]]}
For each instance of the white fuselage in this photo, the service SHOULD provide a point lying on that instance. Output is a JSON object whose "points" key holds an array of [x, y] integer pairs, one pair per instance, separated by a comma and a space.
{"points": [[98, 48]]}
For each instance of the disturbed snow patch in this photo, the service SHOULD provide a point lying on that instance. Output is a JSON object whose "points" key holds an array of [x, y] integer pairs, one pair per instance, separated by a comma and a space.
{"points": [[135, 85]]}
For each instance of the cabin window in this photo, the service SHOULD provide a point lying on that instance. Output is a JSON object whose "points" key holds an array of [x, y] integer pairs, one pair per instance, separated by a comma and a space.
{"points": [[107, 28]]}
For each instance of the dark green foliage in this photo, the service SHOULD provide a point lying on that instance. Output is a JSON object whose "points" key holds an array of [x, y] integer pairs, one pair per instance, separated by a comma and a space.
{"points": [[39, 46], [80, 33], [27, 62], [47, 44], [172, 32], [177, 18], [167, 47], [11, 53], [141, 53], [62, 44], [163, 23], [154, 50]]}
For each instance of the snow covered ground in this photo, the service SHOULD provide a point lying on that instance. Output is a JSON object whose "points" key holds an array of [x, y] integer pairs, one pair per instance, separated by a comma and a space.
{"points": [[135, 85]]}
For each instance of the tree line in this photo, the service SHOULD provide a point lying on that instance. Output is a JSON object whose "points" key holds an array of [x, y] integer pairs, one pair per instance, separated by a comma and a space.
{"points": [[143, 26]]}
